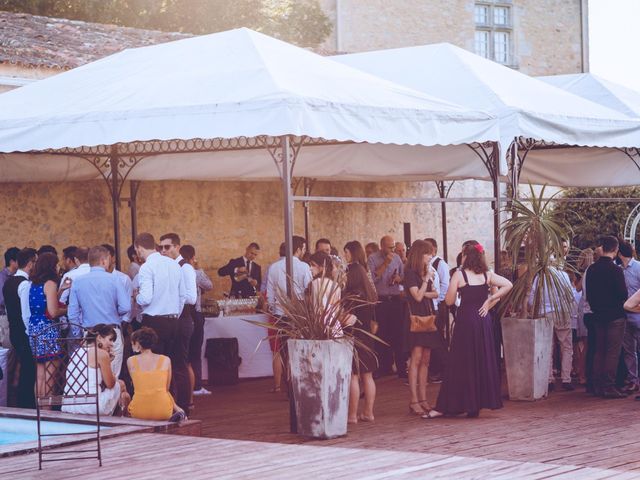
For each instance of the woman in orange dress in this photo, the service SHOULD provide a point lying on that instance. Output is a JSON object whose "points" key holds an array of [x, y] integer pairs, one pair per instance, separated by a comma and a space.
{"points": [[151, 375]]}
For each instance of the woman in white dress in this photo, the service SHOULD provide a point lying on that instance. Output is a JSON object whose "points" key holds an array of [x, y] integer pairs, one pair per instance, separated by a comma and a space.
{"points": [[85, 377], [326, 290]]}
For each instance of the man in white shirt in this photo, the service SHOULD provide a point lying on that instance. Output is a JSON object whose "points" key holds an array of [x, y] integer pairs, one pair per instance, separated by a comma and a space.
{"points": [[277, 286], [436, 366], [161, 293], [277, 281], [170, 248], [81, 259]]}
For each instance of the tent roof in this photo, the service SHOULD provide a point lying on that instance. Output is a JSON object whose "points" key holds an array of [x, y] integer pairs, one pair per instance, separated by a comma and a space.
{"points": [[526, 107], [600, 90], [232, 84]]}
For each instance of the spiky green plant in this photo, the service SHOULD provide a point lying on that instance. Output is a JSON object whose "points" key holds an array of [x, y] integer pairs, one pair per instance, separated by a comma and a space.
{"points": [[534, 235], [312, 317]]}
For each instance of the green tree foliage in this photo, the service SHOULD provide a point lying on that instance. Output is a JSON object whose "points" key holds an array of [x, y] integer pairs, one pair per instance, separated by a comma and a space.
{"points": [[591, 220], [297, 21]]}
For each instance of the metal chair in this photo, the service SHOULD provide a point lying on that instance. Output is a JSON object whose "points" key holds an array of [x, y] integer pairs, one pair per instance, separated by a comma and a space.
{"points": [[65, 380]]}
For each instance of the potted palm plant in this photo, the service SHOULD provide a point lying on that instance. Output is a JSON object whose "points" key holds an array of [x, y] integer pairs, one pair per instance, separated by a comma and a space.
{"points": [[320, 330], [534, 235]]}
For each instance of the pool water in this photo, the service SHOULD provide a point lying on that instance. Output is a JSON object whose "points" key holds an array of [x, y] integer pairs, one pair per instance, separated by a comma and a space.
{"points": [[18, 430]]}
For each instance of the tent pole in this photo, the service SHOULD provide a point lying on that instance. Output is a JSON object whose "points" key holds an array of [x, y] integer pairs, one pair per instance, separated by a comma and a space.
{"points": [[497, 205], [288, 238], [307, 192], [115, 201], [134, 185], [287, 198], [443, 207]]}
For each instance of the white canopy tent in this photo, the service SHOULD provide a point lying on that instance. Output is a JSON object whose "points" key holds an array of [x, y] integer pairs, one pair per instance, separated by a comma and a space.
{"points": [[600, 90], [528, 109], [208, 107]]}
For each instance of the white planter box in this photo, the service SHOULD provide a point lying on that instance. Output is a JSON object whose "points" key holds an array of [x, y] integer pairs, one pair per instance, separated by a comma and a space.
{"points": [[320, 375], [527, 353]]}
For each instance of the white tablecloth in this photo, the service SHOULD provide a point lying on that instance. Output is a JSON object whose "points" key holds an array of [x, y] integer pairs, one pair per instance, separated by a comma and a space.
{"points": [[255, 363]]}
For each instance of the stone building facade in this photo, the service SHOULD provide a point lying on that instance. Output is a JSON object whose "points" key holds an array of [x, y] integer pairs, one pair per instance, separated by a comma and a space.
{"points": [[221, 218]]}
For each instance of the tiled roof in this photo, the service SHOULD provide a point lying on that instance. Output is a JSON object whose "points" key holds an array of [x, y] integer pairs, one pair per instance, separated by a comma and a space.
{"points": [[35, 41]]}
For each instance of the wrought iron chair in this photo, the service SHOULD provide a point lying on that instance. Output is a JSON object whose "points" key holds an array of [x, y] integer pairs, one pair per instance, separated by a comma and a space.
{"points": [[64, 380]]}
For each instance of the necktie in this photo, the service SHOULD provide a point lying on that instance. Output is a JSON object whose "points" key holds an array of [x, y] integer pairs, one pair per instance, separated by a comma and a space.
{"points": [[248, 266]]}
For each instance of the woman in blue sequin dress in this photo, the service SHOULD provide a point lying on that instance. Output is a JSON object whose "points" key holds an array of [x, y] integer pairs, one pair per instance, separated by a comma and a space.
{"points": [[44, 331]]}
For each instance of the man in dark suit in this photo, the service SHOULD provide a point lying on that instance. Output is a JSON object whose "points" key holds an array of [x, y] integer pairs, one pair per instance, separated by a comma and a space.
{"points": [[245, 273], [17, 326]]}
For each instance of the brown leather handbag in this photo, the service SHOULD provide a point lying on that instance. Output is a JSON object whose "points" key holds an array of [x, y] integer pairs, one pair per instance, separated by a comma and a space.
{"points": [[423, 323]]}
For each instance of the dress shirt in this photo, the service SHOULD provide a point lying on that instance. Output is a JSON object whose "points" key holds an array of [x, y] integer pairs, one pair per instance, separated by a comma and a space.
{"points": [[23, 293], [547, 307], [134, 268], [632, 279], [278, 281], [127, 284], [606, 290], [4, 274], [79, 271], [162, 289], [190, 282], [136, 310], [97, 297], [382, 283], [263, 285], [204, 284], [443, 276]]}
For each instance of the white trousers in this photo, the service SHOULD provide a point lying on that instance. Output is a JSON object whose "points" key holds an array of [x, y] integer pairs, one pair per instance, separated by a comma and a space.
{"points": [[117, 350]]}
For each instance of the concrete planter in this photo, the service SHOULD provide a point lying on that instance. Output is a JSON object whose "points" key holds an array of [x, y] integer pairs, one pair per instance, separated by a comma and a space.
{"points": [[320, 375], [527, 352]]}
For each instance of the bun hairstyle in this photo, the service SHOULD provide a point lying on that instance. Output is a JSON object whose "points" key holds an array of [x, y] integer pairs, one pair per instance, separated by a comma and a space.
{"points": [[145, 337], [100, 330], [474, 259]]}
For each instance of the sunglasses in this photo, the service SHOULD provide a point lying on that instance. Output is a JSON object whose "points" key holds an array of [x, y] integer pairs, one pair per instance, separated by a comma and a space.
{"points": [[165, 247]]}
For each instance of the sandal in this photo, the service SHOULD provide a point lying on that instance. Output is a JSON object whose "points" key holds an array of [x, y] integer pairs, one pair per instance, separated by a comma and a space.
{"points": [[275, 390], [364, 418], [413, 411], [432, 414], [428, 408]]}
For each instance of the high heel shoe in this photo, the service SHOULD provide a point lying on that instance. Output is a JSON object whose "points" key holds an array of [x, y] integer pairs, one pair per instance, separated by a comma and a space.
{"points": [[422, 403], [413, 411]]}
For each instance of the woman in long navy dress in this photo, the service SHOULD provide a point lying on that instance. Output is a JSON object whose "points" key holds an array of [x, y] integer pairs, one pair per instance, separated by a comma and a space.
{"points": [[472, 380]]}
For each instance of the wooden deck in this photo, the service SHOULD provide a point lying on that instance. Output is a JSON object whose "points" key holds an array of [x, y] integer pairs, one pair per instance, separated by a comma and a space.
{"points": [[570, 435]]}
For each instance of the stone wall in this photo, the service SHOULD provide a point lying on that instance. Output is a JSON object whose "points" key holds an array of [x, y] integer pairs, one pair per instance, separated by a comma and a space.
{"points": [[221, 218], [547, 33]]}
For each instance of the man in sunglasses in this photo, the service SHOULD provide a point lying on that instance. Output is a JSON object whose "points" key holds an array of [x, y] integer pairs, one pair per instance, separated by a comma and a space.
{"points": [[170, 245]]}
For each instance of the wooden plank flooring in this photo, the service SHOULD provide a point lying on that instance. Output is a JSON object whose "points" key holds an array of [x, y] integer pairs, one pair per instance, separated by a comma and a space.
{"points": [[151, 456], [569, 428], [569, 435]]}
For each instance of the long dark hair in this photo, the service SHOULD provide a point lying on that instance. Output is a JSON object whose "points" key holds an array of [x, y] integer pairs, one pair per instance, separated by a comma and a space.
{"points": [[359, 283], [46, 269], [474, 259], [415, 259], [357, 252], [323, 260], [101, 330]]}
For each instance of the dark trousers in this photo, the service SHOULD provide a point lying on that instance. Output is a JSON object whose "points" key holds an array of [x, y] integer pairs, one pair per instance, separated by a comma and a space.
{"points": [[127, 351], [438, 356], [591, 351], [609, 337], [25, 397], [390, 316], [195, 349], [180, 359]]}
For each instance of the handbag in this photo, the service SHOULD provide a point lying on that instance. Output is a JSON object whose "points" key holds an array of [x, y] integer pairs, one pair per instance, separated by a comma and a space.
{"points": [[423, 323]]}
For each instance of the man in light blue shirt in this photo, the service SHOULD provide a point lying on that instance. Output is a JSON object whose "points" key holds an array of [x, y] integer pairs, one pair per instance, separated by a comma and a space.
{"points": [[631, 339], [99, 297]]}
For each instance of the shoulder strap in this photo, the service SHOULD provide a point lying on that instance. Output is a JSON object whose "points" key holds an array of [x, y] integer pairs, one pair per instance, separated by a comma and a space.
{"points": [[464, 275], [486, 279], [182, 262], [160, 362], [436, 262]]}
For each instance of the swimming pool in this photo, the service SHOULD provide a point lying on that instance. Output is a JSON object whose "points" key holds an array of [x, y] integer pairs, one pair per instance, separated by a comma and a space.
{"points": [[20, 430]]}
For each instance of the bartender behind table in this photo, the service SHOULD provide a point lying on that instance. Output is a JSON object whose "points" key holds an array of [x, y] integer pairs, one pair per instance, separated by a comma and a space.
{"points": [[245, 273]]}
